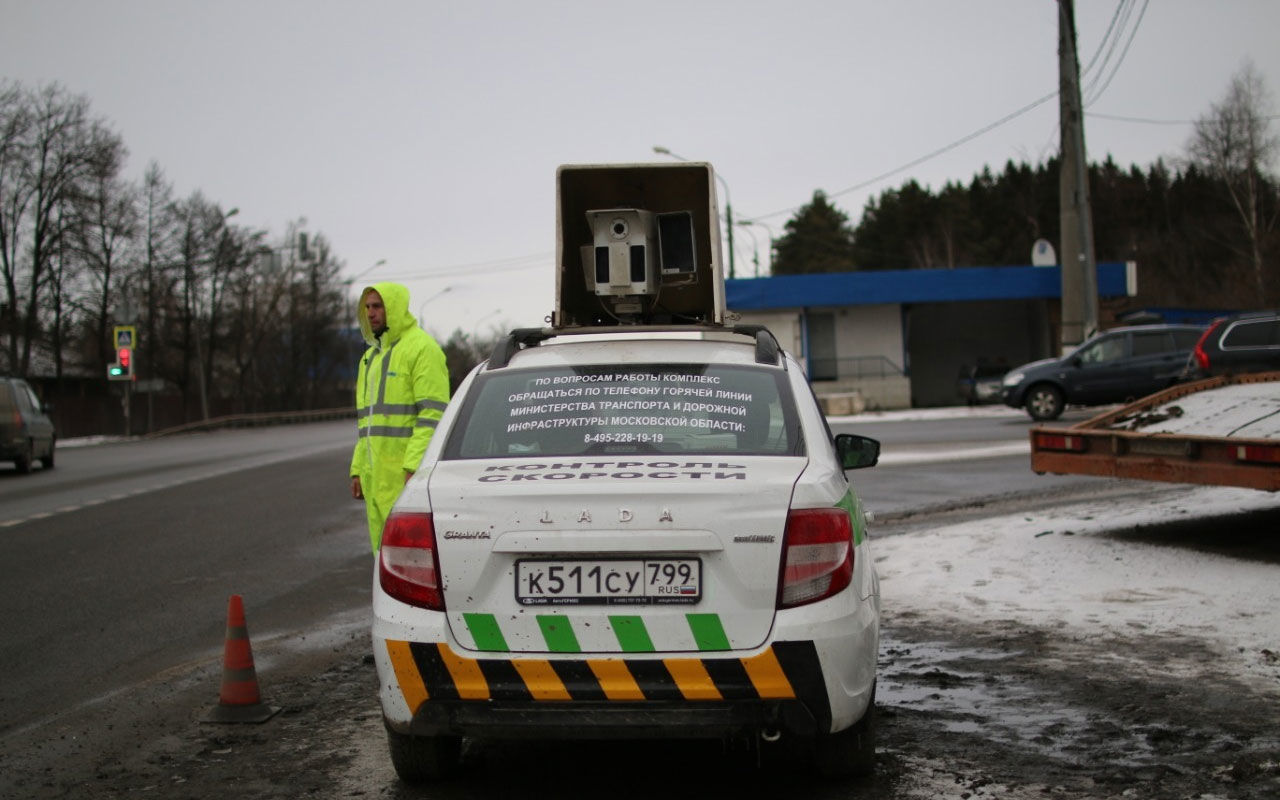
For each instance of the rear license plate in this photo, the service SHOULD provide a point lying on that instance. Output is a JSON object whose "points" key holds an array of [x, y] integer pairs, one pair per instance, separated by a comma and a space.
{"points": [[646, 581]]}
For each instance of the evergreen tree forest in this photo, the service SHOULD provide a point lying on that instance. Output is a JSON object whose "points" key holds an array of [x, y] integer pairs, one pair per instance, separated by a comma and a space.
{"points": [[1180, 226]]}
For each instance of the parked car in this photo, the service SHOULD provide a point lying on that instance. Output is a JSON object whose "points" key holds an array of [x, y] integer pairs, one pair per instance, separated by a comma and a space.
{"points": [[1111, 367], [982, 382], [633, 534], [26, 432], [1248, 342]]}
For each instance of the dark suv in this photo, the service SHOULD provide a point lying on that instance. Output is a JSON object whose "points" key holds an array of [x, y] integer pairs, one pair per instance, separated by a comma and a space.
{"points": [[1247, 342], [1111, 367], [26, 432]]}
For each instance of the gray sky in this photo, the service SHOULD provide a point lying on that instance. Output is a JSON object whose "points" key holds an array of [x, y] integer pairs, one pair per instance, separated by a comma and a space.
{"points": [[428, 133]]}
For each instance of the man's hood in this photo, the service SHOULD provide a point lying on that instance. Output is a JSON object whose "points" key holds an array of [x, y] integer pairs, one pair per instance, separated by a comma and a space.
{"points": [[395, 298]]}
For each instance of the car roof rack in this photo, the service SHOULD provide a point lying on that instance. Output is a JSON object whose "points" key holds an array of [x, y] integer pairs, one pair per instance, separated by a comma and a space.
{"points": [[767, 348]]}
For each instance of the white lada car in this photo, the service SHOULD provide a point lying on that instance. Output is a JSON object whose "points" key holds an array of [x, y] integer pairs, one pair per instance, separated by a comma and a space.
{"points": [[633, 533]]}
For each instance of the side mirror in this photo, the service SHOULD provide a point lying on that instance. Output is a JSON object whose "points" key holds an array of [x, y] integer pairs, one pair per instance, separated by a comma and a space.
{"points": [[856, 452]]}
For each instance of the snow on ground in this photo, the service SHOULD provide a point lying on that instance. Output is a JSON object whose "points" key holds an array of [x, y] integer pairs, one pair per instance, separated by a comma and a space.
{"points": [[1057, 570]]}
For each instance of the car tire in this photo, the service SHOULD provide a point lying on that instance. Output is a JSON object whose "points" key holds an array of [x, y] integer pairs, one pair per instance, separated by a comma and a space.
{"points": [[23, 460], [850, 752], [421, 759], [47, 461], [1044, 402]]}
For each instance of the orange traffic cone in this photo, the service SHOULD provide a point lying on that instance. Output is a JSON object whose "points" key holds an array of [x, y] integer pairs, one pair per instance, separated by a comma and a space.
{"points": [[239, 700]]}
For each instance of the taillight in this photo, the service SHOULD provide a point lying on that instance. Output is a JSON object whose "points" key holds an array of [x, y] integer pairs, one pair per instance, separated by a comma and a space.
{"points": [[1059, 441], [408, 567], [1201, 357], [817, 555], [1259, 453]]}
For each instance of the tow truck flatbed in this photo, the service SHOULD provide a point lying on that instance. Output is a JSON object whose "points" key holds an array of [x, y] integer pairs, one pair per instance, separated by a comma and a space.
{"points": [[1222, 431]]}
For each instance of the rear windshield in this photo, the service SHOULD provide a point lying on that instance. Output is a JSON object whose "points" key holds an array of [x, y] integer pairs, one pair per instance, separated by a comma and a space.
{"points": [[606, 409]]}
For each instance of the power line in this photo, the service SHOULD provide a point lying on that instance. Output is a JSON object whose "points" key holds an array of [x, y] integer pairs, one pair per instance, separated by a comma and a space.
{"points": [[1105, 37], [1148, 121], [1095, 95], [924, 158], [1116, 17]]}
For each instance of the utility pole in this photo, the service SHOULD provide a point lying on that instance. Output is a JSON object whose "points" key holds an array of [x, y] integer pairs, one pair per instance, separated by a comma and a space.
{"points": [[1079, 266]]}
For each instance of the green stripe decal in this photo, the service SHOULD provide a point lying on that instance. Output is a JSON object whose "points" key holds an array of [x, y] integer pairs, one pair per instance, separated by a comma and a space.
{"points": [[558, 633], [855, 519], [632, 635], [484, 629], [708, 633]]}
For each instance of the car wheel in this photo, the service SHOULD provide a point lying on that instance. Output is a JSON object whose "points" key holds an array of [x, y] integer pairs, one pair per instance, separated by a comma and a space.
{"points": [[47, 461], [1044, 402], [24, 459], [850, 752], [419, 759]]}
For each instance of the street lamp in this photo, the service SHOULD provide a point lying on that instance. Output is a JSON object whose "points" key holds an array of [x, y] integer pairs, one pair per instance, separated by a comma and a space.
{"points": [[755, 246], [422, 316], [728, 204], [747, 223], [359, 275]]}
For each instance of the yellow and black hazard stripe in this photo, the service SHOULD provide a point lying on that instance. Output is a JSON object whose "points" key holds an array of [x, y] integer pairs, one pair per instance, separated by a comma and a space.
{"points": [[432, 671]]}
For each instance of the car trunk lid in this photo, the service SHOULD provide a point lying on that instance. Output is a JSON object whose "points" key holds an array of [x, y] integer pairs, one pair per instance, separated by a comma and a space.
{"points": [[614, 556]]}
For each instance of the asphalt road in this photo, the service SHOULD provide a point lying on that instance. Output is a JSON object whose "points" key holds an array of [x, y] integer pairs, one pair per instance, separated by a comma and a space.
{"points": [[932, 461], [117, 565]]}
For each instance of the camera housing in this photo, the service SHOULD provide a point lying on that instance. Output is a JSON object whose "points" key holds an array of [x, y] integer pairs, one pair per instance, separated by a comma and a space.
{"points": [[622, 259], [637, 244]]}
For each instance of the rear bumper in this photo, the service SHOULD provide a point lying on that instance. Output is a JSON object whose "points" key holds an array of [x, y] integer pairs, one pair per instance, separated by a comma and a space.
{"points": [[439, 691]]}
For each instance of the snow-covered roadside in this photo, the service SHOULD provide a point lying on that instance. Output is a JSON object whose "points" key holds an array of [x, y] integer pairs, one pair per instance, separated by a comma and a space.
{"points": [[1056, 570]]}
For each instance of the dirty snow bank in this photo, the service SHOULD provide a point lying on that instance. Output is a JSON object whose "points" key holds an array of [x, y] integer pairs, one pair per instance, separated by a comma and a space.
{"points": [[1058, 569]]}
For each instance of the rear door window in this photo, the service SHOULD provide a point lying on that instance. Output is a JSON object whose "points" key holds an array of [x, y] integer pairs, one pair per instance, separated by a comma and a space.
{"points": [[1259, 333], [1103, 351], [610, 410], [1152, 343], [28, 401]]}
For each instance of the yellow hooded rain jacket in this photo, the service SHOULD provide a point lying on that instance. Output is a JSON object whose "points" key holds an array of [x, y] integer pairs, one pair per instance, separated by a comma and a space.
{"points": [[402, 388]]}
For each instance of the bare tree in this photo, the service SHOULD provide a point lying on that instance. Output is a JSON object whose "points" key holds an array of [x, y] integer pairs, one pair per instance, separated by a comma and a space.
{"points": [[15, 197], [106, 229], [1233, 143], [51, 148]]}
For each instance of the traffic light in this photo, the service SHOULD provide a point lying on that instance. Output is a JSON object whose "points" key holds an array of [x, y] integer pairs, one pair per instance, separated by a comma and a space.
{"points": [[122, 370]]}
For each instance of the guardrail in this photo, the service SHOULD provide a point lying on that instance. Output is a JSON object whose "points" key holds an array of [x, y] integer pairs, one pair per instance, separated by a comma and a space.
{"points": [[256, 420]]}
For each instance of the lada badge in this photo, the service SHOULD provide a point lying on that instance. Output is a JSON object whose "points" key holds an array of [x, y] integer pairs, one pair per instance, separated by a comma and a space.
{"points": [[624, 515]]}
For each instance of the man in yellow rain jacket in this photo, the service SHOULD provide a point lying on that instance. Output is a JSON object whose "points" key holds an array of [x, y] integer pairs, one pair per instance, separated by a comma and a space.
{"points": [[402, 388]]}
